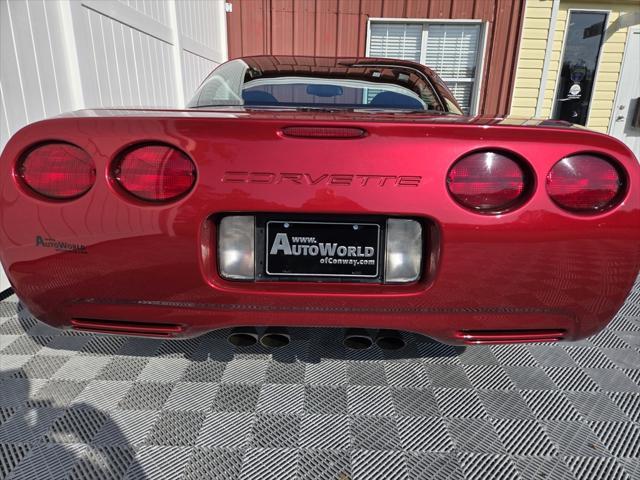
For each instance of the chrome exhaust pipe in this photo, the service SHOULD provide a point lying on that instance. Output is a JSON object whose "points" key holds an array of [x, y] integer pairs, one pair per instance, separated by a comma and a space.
{"points": [[274, 337], [390, 340], [357, 339], [243, 337]]}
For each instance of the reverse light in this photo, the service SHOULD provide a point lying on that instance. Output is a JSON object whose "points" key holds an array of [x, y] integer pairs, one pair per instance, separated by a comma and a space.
{"points": [[403, 258], [156, 173], [487, 182], [236, 247], [585, 184], [59, 171]]}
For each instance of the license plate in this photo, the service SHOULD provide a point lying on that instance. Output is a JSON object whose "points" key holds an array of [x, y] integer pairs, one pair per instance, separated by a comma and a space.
{"points": [[322, 249]]}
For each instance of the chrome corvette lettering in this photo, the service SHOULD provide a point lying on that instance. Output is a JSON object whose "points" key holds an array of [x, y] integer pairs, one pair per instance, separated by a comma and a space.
{"points": [[337, 179]]}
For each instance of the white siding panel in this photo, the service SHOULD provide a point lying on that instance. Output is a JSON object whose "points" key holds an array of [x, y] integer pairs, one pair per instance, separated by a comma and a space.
{"points": [[195, 69], [60, 55]]}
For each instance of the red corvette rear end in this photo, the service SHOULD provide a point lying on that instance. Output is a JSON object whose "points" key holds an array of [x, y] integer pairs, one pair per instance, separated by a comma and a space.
{"points": [[176, 222]]}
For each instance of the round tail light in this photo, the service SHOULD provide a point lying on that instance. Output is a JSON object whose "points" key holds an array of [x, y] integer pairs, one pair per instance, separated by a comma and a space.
{"points": [[58, 171], [585, 184], [156, 173], [487, 182]]}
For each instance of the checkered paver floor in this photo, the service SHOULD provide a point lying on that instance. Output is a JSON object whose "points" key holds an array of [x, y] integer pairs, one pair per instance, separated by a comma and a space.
{"points": [[80, 406]]}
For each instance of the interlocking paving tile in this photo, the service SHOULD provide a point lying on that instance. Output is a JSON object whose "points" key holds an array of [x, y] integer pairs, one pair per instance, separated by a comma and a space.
{"points": [[447, 376], [575, 439], [524, 437], [629, 403], [225, 430], [269, 463], [416, 403], [102, 463], [192, 396], [76, 425], [474, 435], [48, 462], [281, 398], [587, 468], [10, 455], [504, 404], [378, 465], [275, 431], [374, 433], [458, 403], [488, 466], [424, 435], [323, 399], [80, 406], [79, 368], [324, 432], [214, 464], [621, 438], [102, 394], [177, 428], [553, 468], [326, 373], [236, 398], [406, 375], [433, 466], [324, 465], [155, 461], [204, 371], [146, 396], [126, 427], [550, 405], [369, 400], [288, 373]]}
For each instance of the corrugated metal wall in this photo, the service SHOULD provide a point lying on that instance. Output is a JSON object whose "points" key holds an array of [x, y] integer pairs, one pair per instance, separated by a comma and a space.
{"points": [[339, 28], [61, 55]]}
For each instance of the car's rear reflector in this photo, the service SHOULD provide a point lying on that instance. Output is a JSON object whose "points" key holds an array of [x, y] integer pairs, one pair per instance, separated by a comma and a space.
{"points": [[324, 132], [585, 184], [156, 173], [58, 171], [476, 337], [119, 327], [487, 182]]}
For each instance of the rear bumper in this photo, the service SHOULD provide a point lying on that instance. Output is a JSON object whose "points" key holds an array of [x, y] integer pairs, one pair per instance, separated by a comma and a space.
{"points": [[169, 319], [479, 285]]}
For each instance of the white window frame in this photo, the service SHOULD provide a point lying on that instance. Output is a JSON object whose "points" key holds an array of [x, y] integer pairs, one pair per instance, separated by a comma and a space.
{"points": [[426, 22]]}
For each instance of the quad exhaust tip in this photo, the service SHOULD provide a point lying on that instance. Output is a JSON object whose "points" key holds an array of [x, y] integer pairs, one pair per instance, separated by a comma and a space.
{"points": [[357, 339], [243, 337], [390, 340], [275, 338]]}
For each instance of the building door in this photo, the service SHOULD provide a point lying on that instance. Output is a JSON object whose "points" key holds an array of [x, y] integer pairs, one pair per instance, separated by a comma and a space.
{"points": [[625, 121], [582, 45]]}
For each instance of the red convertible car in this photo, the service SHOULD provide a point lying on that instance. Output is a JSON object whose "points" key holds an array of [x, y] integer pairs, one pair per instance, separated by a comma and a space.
{"points": [[300, 191]]}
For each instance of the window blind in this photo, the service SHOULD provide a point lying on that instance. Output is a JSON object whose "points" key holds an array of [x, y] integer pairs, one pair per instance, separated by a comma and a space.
{"points": [[395, 40], [452, 50]]}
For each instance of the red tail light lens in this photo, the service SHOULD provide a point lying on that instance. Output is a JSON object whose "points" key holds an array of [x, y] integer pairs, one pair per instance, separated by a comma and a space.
{"points": [[59, 171], [156, 173], [487, 182], [585, 183]]}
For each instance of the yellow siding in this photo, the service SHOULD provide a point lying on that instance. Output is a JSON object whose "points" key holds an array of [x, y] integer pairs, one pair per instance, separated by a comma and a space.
{"points": [[533, 45]]}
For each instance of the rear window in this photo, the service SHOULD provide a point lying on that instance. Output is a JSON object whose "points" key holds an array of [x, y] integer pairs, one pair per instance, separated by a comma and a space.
{"points": [[247, 82]]}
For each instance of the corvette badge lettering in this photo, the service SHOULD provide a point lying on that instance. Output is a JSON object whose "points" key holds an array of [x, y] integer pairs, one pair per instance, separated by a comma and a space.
{"points": [[322, 179]]}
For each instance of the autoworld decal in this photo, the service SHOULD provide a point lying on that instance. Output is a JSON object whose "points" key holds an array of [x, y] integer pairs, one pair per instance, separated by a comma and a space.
{"points": [[59, 245]]}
